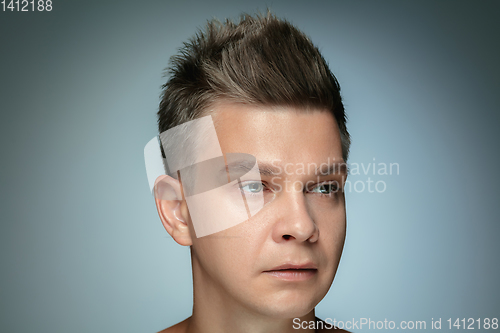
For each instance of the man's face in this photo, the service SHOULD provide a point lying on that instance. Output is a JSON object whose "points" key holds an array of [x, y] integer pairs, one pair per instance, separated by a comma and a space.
{"points": [[282, 261]]}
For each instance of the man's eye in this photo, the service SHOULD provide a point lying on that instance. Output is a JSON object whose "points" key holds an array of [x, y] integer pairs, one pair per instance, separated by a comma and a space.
{"points": [[325, 189], [253, 187]]}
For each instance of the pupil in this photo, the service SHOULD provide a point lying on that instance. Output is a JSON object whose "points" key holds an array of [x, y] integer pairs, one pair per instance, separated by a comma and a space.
{"points": [[255, 187]]}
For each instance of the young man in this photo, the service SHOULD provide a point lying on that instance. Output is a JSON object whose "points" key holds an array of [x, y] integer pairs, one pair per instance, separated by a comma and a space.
{"points": [[253, 132]]}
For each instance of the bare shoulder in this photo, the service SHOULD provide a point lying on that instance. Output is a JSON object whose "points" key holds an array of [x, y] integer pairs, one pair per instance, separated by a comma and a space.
{"points": [[177, 328]]}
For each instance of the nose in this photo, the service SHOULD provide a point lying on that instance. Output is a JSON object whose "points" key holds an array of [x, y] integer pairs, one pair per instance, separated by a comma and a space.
{"points": [[295, 222]]}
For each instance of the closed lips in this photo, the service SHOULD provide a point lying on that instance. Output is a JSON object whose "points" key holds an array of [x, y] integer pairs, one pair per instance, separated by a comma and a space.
{"points": [[287, 267]]}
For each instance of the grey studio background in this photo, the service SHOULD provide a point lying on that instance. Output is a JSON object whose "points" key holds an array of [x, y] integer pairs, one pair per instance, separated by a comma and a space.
{"points": [[81, 246]]}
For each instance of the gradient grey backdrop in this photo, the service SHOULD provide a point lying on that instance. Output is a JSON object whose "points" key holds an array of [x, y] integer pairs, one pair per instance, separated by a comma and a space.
{"points": [[82, 247]]}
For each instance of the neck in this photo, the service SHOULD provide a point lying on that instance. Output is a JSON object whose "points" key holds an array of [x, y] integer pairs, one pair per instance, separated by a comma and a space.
{"points": [[214, 310], [215, 317]]}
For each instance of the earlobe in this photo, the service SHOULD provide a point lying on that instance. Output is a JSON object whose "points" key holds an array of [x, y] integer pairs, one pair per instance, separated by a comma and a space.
{"points": [[172, 209]]}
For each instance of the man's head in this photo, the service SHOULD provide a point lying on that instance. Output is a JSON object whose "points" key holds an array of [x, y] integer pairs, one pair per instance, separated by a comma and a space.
{"points": [[271, 96], [261, 61]]}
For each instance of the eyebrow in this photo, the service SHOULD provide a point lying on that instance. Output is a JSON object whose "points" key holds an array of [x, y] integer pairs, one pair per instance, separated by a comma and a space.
{"points": [[268, 169], [265, 169], [337, 168]]}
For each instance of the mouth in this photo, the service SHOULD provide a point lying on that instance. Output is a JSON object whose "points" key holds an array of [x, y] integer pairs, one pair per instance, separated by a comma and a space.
{"points": [[290, 272]]}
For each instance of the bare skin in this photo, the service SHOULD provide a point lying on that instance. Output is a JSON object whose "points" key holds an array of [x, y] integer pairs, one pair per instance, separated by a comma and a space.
{"points": [[238, 286], [184, 327]]}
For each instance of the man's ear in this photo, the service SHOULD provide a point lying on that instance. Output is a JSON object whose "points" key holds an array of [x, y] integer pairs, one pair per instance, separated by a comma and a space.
{"points": [[172, 209]]}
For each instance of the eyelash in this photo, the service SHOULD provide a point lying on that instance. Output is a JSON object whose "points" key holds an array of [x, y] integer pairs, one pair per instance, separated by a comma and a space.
{"points": [[334, 191], [243, 184]]}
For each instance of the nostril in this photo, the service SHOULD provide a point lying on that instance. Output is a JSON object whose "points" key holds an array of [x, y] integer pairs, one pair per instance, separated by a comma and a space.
{"points": [[287, 237]]}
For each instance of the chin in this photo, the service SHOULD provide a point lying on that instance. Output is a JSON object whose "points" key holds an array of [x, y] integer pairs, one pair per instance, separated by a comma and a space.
{"points": [[290, 311], [290, 306]]}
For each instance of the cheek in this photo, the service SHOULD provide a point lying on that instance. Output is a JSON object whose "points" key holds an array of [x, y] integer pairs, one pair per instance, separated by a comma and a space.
{"points": [[229, 254], [329, 214], [332, 231]]}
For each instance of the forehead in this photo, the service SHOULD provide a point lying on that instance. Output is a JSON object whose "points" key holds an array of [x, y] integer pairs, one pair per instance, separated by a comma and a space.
{"points": [[289, 134]]}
